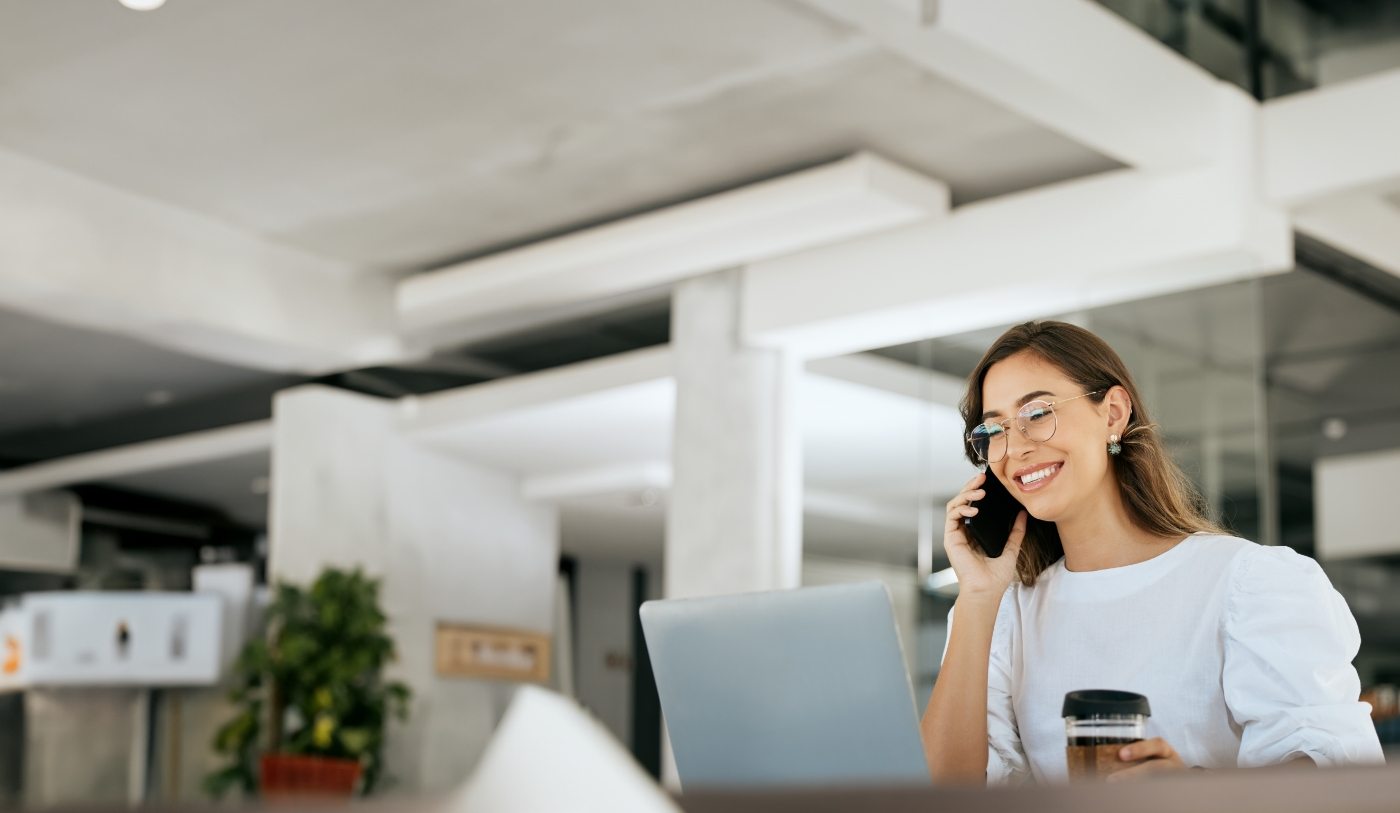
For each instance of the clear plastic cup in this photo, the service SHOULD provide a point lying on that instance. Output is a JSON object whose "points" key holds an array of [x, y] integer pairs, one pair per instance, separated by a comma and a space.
{"points": [[1098, 723]]}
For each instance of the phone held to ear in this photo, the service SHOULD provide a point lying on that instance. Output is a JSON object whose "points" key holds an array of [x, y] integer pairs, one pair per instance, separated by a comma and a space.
{"points": [[996, 512]]}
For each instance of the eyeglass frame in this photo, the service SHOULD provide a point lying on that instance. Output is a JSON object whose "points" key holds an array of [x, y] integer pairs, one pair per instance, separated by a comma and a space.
{"points": [[1021, 426]]}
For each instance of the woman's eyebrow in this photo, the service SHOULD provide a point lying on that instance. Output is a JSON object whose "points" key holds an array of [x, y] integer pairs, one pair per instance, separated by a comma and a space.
{"points": [[1019, 402]]}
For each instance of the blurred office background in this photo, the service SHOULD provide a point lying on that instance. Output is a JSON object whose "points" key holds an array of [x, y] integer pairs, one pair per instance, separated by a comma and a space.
{"points": [[538, 309]]}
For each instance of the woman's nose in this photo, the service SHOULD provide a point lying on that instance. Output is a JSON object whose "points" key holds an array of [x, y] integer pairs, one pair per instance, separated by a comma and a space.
{"points": [[1017, 444]]}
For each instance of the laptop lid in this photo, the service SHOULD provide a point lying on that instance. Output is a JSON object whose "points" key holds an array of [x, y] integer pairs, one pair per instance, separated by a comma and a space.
{"points": [[796, 687]]}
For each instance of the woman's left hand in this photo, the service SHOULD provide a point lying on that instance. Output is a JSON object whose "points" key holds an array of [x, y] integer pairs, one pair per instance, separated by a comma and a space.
{"points": [[1152, 756]]}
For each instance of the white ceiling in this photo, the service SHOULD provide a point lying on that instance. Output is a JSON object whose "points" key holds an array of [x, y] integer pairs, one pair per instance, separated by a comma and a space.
{"points": [[236, 485], [616, 426], [401, 134], [397, 135], [55, 376]]}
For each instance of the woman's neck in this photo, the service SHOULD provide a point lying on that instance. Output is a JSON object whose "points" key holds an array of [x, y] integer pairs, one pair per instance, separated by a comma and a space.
{"points": [[1104, 536]]}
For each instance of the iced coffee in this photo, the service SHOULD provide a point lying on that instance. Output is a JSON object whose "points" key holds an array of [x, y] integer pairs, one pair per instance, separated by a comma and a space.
{"points": [[1098, 723]]}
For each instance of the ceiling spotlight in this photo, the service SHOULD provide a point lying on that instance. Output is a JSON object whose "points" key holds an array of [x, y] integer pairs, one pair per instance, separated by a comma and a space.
{"points": [[1334, 428], [143, 5]]}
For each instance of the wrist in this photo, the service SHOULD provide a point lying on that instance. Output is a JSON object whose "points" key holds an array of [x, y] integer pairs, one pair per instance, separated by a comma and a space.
{"points": [[985, 601]]}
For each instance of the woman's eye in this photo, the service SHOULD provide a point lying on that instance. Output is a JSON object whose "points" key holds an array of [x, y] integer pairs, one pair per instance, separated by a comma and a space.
{"points": [[1036, 414]]}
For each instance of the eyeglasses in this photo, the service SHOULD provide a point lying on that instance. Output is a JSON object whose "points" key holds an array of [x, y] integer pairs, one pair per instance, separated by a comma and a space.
{"points": [[1036, 420]]}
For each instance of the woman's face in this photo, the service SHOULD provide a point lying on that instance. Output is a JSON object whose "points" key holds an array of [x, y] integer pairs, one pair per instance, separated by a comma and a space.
{"points": [[1071, 469]]}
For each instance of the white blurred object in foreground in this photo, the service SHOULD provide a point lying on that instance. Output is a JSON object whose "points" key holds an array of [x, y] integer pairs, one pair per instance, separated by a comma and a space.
{"points": [[548, 754]]}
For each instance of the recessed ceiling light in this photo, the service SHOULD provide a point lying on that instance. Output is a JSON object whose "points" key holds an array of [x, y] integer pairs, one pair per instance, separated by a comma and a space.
{"points": [[158, 398], [646, 498], [1334, 428], [143, 5]]}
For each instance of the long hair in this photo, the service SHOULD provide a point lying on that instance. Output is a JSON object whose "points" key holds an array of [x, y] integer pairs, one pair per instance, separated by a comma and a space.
{"points": [[1159, 497]]}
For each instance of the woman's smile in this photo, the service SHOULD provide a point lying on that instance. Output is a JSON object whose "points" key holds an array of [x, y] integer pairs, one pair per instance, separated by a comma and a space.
{"points": [[1036, 477]]}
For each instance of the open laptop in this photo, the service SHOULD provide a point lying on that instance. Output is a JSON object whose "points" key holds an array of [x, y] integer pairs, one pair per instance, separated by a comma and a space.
{"points": [[797, 687]]}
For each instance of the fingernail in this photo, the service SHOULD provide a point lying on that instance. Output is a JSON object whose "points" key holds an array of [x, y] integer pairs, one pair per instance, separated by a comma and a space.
{"points": [[1125, 754]]}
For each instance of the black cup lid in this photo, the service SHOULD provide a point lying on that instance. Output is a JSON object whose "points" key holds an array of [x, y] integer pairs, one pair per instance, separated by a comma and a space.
{"points": [[1104, 703]]}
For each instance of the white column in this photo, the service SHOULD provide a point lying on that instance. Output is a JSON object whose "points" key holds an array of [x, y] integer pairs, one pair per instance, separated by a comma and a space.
{"points": [[453, 541], [735, 516]]}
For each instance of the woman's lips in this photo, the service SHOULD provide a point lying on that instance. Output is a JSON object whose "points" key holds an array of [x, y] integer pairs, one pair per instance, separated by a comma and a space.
{"points": [[1043, 476]]}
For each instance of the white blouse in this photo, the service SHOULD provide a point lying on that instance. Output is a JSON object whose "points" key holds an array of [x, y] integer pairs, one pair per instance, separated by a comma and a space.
{"points": [[1243, 651]]}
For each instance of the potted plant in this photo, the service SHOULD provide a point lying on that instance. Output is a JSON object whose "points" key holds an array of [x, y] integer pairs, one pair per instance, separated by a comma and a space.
{"points": [[311, 696]]}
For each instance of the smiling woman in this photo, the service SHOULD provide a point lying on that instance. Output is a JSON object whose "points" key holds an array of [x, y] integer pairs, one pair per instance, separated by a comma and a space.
{"points": [[1113, 577], [1093, 403]]}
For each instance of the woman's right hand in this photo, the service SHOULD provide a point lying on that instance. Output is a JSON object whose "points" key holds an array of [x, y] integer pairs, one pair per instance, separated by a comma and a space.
{"points": [[978, 575]]}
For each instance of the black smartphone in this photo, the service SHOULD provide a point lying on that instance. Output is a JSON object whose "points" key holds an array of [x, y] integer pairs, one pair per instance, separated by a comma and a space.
{"points": [[996, 513]]}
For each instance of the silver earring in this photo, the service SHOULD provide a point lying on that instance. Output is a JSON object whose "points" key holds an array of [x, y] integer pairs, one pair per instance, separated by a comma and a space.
{"points": [[1114, 447]]}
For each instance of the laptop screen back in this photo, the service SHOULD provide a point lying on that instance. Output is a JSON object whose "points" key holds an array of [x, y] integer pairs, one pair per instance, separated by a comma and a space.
{"points": [[797, 687]]}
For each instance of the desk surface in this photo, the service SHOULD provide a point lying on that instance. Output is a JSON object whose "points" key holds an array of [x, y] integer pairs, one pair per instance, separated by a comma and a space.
{"points": [[1277, 790]]}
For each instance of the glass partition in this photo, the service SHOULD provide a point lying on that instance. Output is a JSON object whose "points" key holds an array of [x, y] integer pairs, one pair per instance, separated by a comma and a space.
{"points": [[1198, 360]]}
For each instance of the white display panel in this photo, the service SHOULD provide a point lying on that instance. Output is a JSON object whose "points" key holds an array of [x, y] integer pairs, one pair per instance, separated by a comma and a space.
{"points": [[1353, 495], [111, 639]]}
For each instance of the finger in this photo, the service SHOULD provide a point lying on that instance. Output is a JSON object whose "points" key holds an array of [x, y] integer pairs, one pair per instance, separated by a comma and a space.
{"points": [[1155, 748], [1018, 534], [958, 510], [956, 517], [965, 497]]}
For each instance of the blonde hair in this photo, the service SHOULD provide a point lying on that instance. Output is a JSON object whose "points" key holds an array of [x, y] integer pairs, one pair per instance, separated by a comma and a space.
{"points": [[1160, 498]]}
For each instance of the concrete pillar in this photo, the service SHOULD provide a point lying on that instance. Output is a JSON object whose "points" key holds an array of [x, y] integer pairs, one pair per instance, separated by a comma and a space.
{"points": [[735, 515], [451, 540]]}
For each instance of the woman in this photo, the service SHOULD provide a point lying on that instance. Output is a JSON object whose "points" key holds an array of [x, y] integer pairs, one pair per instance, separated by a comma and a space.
{"points": [[1113, 578]]}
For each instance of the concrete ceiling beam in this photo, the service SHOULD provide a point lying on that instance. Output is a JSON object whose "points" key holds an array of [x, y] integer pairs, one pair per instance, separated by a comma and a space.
{"points": [[1071, 65], [1329, 156], [138, 458], [1333, 142], [1364, 226], [1113, 237], [849, 198], [76, 251]]}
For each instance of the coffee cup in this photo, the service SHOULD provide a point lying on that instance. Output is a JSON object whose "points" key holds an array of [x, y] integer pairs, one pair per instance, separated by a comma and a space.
{"points": [[1098, 723]]}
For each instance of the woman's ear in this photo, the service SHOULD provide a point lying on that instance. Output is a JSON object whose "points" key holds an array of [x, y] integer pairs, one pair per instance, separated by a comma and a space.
{"points": [[1120, 409]]}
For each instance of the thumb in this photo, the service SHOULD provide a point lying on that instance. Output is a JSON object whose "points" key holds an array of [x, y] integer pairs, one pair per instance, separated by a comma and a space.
{"points": [[1017, 537]]}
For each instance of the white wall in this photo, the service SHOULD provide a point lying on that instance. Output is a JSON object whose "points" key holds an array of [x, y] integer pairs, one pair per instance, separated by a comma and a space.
{"points": [[452, 541]]}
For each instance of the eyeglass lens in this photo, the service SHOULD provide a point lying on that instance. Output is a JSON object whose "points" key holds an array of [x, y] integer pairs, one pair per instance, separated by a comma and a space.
{"points": [[1036, 420]]}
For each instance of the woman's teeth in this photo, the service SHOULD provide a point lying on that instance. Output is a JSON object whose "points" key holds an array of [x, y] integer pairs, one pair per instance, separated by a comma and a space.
{"points": [[1039, 474]]}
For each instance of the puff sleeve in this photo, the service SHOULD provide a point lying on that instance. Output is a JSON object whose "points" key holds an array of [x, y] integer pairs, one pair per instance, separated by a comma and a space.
{"points": [[1288, 679]]}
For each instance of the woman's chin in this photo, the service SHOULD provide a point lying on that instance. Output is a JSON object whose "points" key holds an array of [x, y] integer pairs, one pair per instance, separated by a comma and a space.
{"points": [[1043, 511]]}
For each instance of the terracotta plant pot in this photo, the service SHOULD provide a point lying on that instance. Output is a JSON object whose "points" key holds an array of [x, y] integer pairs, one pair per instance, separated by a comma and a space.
{"points": [[284, 775]]}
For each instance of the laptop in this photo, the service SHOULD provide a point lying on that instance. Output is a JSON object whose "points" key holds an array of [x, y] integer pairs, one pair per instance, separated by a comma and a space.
{"points": [[792, 688]]}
